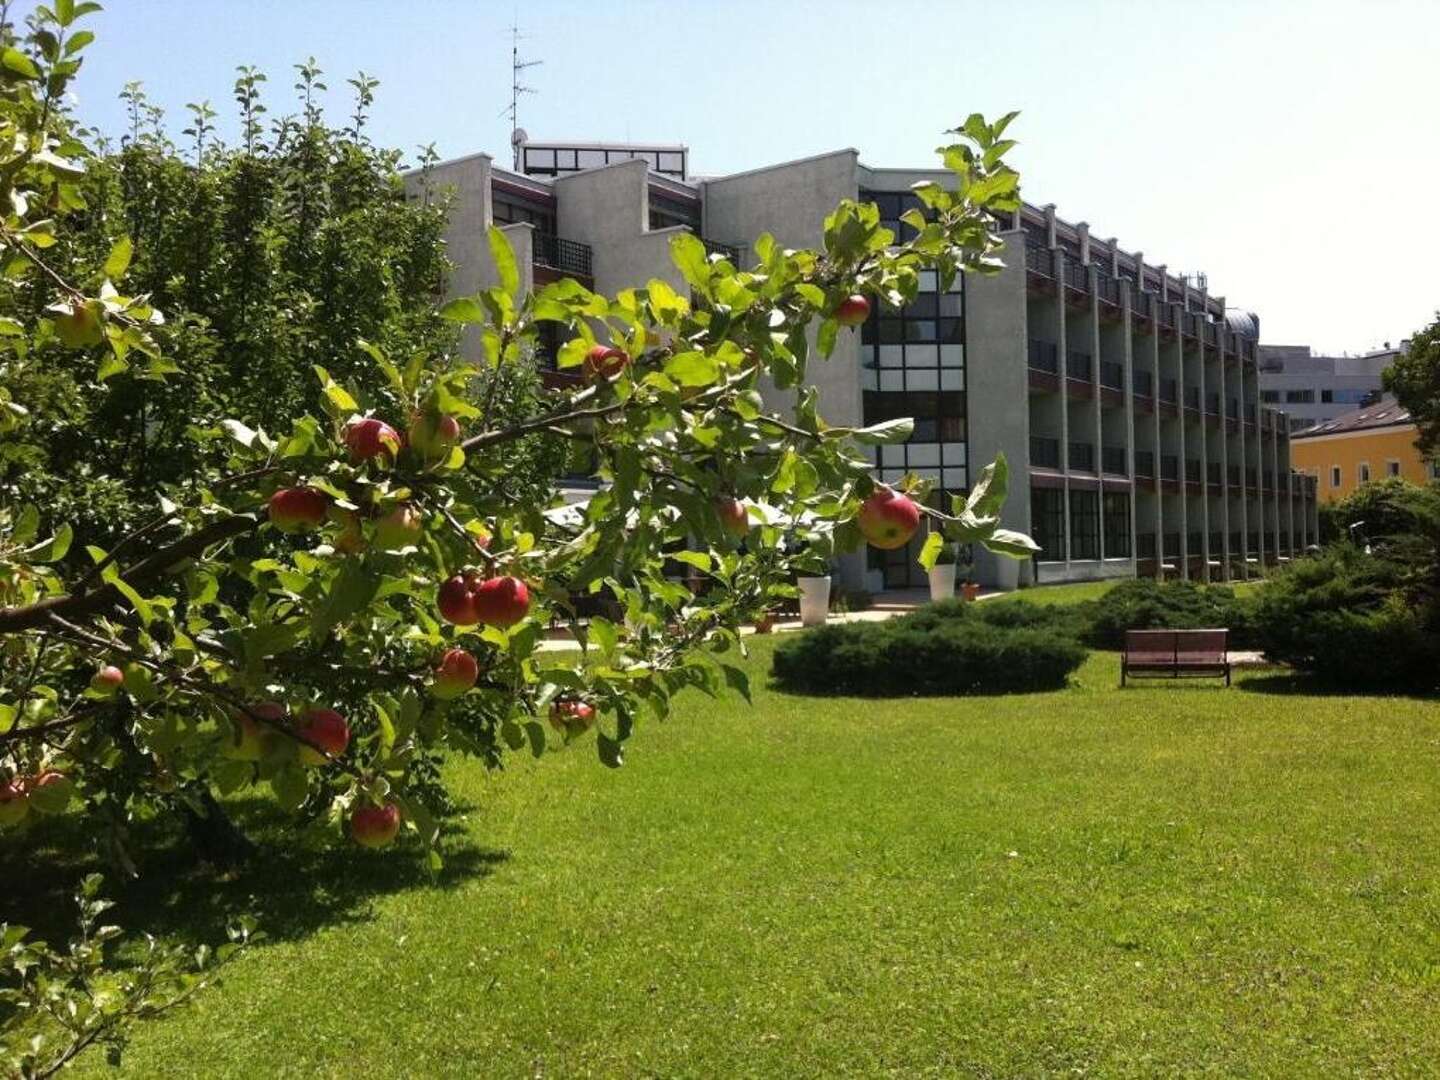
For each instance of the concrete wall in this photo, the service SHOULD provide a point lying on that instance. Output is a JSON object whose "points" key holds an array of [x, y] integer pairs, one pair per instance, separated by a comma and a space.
{"points": [[609, 209], [997, 395]]}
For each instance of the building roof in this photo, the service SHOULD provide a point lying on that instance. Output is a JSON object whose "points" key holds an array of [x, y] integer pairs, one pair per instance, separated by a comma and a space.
{"points": [[1385, 413]]}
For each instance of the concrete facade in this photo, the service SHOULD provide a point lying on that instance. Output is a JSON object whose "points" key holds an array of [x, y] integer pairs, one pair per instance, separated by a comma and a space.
{"points": [[1125, 399], [1312, 389]]}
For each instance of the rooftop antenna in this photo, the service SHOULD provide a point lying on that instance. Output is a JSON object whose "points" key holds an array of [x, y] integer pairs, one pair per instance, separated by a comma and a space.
{"points": [[513, 109]]}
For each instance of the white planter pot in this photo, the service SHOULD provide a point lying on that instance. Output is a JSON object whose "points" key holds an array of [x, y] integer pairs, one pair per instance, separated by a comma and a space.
{"points": [[942, 583], [814, 600]]}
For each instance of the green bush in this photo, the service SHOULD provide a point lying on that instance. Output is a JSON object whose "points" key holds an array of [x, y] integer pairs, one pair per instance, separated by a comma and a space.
{"points": [[1348, 619], [947, 648], [1145, 604]]}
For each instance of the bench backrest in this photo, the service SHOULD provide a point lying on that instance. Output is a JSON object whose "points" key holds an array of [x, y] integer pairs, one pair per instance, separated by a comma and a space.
{"points": [[1176, 645]]}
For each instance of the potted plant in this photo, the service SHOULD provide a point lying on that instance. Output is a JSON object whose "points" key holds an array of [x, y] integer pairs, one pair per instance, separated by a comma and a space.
{"points": [[970, 589], [765, 622], [942, 573]]}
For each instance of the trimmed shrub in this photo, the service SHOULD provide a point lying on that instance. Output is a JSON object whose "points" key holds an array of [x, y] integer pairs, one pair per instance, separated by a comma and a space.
{"points": [[940, 649], [1145, 604], [1345, 618]]}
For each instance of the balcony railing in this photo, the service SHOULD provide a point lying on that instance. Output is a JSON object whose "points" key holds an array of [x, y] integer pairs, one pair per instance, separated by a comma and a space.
{"points": [[1191, 325], [1212, 473], [1112, 461], [1142, 303], [1108, 288], [1212, 404], [1212, 333], [1112, 375], [1044, 452], [556, 253], [1039, 260], [1145, 545], [1169, 467], [1145, 463], [1192, 470], [1192, 398], [1167, 314], [1077, 276], [1144, 382], [1045, 356], [725, 251], [1078, 365], [1082, 457], [1168, 389]]}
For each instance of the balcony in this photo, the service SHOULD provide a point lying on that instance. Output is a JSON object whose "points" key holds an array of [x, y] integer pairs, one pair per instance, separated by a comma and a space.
{"points": [[1077, 276], [1217, 544], [1145, 463], [1212, 333], [1082, 457], [1142, 304], [1167, 314], [566, 256], [1234, 543], [1172, 545], [725, 251], [1045, 356], [1192, 398], [1112, 375], [1039, 260], [1250, 481], [1191, 325], [1212, 404], [1108, 288], [1232, 474], [1112, 461], [1044, 452], [1232, 408], [1169, 467], [1195, 543], [1192, 470], [1143, 382], [1250, 415], [1079, 365]]}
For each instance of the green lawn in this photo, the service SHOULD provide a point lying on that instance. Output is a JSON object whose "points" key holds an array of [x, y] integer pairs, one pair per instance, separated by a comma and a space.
{"points": [[1175, 879]]}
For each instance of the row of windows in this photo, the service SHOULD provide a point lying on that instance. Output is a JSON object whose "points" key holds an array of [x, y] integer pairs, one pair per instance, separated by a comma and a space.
{"points": [[939, 415], [549, 161], [508, 212], [1327, 397], [667, 213], [1091, 515], [1362, 472]]}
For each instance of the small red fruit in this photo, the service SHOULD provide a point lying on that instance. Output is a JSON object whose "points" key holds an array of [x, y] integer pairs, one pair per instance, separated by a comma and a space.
{"points": [[852, 311], [733, 516], [298, 509], [572, 717], [325, 729], [501, 601], [107, 680], [605, 362], [375, 826], [367, 437], [888, 519], [455, 674], [14, 802], [456, 599], [252, 738]]}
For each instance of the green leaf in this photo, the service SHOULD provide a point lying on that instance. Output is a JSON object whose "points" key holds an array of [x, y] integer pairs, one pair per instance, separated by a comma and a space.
{"points": [[934, 544], [54, 549], [52, 798], [536, 734], [693, 369], [27, 524], [336, 394], [111, 365], [504, 256], [119, 259], [291, 786], [466, 309], [738, 680], [604, 635], [698, 559], [688, 254], [987, 496], [572, 353], [1013, 544], [890, 431], [15, 60], [612, 753], [825, 339]]}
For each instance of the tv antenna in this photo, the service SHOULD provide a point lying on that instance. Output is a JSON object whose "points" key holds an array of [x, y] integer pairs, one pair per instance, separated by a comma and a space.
{"points": [[516, 89]]}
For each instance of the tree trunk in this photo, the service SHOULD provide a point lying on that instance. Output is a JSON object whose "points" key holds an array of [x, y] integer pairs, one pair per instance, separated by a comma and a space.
{"points": [[216, 838]]}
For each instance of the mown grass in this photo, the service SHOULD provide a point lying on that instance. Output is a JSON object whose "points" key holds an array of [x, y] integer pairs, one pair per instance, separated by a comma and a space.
{"points": [[1157, 881]]}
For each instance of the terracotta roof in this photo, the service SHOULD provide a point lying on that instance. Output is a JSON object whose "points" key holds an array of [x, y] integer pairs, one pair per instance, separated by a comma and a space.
{"points": [[1382, 414]]}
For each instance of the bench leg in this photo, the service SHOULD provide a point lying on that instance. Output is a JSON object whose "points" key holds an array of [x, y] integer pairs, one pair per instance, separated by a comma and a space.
{"points": [[1227, 674], [1122, 674]]}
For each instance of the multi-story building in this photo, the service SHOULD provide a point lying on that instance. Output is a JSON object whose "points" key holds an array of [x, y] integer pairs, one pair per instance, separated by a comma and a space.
{"points": [[1313, 389], [1125, 398], [1369, 443]]}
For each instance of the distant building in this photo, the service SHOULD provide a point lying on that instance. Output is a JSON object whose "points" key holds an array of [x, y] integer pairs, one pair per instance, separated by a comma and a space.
{"points": [[1125, 396], [1313, 388], [1364, 444]]}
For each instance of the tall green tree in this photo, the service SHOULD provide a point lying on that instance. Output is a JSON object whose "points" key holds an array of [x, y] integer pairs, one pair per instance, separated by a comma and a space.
{"points": [[1414, 379]]}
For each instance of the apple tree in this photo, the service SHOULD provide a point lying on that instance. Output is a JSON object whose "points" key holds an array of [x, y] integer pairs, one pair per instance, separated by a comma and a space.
{"points": [[343, 600]]}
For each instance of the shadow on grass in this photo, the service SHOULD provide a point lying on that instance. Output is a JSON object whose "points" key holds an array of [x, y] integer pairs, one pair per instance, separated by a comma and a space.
{"points": [[298, 881], [774, 686], [1300, 683]]}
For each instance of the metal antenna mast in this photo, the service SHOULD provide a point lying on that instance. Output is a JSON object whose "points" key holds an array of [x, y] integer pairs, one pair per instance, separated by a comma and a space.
{"points": [[516, 67]]}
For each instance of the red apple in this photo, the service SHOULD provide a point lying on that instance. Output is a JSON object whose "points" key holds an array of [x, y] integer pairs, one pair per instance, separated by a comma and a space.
{"points": [[852, 311], [455, 674], [50, 792], [252, 738], [107, 680], [605, 362], [368, 437], [325, 729], [298, 509], [433, 434], [375, 826], [14, 802], [733, 516], [501, 601], [572, 717], [888, 519], [400, 528], [456, 599]]}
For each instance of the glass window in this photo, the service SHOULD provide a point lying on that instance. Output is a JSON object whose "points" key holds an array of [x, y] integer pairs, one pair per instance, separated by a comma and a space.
{"points": [[1327, 397], [1334, 476], [1117, 524], [544, 159], [590, 159], [1047, 522], [672, 162], [565, 159], [1084, 524], [1299, 397], [1364, 472], [1392, 468], [1270, 397]]}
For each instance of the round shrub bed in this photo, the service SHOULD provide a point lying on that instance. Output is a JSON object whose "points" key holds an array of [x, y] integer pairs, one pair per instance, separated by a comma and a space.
{"points": [[941, 649], [1145, 604]]}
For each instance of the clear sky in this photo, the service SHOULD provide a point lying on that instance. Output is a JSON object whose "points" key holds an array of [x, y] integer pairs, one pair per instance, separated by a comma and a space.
{"points": [[1289, 150]]}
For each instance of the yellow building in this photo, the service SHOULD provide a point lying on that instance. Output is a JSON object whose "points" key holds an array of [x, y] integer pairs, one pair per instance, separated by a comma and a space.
{"points": [[1373, 442]]}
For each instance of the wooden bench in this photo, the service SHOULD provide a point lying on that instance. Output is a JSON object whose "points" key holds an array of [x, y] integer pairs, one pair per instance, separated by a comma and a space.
{"points": [[1175, 654]]}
